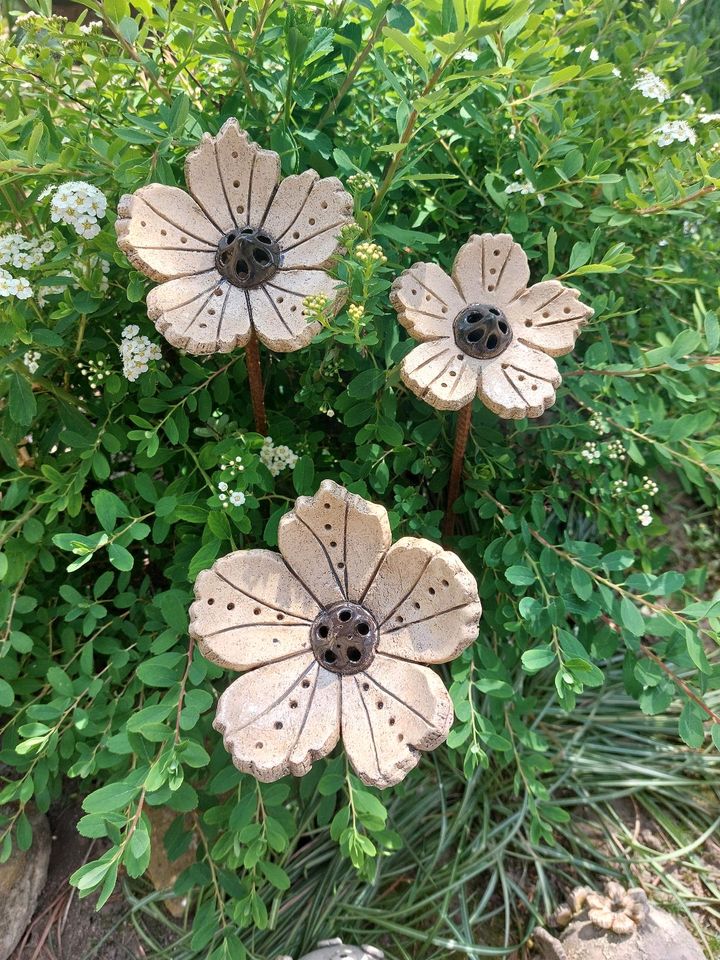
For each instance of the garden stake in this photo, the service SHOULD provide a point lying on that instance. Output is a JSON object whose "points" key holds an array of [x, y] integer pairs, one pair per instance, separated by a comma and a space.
{"points": [[257, 390], [462, 432]]}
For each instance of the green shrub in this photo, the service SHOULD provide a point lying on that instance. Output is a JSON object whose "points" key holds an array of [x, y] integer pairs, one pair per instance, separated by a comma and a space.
{"points": [[445, 118]]}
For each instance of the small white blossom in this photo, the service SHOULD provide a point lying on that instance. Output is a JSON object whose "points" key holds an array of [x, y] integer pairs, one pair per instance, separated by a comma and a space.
{"points": [[14, 286], [31, 360], [675, 130], [618, 488], [616, 72], [644, 516], [649, 486], [21, 252], [222, 486], [237, 498], [468, 55], [594, 55], [275, 458], [79, 205], [709, 117], [616, 450], [690, 229], [598, 424], [136, 352], [591, 452], [651, 86]]}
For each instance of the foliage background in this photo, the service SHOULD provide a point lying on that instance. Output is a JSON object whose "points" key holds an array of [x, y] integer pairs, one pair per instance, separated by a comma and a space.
{"points": [[595, 675]]}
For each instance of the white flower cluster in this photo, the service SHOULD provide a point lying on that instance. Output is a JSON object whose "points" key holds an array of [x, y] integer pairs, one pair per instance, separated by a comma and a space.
{"points": [[228, 497], [651, 86], [709, 117], [616, 450], [136, 352], [19, 252], [591, 452], [594, 54], [275, 458], [14, 286], [78, 204], [95, 372], [31, 359], [690, 229], [599, 425], [644, 516], [675, 130], [469, 55], [618, 488], [524, 187], [649, 486]]}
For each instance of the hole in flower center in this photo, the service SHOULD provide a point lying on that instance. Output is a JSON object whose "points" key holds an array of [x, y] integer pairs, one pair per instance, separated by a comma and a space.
{"points": [[344, 638], [248, 257], [482, 331]]}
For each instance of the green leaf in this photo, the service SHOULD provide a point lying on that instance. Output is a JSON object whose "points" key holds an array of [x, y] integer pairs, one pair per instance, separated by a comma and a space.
{"points": [[537, 659], [275, 875], [114, 796], [631, 617], [60, 681], [119, 557], [21, 402], [691, 725], [7, 694], [304, 475], [366, 384], [519, 575]]}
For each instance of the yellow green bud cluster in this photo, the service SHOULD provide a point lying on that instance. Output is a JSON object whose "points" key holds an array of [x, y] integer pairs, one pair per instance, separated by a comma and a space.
{"points": [[362, 181], [356, 312], [370, 253]]}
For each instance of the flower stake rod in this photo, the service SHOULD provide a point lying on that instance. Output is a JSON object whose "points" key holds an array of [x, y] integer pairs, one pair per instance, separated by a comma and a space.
{"points": [[485, 332], [237, 256], [335, 634]]}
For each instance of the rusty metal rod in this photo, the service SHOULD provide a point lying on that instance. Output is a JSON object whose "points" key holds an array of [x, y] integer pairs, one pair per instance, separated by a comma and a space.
{"points": [[462, 432], [252, 361]]}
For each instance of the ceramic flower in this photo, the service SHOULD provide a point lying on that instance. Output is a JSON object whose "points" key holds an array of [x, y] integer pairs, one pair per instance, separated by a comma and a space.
{"points": [[335, 633], [240, 252], [485, 331]]}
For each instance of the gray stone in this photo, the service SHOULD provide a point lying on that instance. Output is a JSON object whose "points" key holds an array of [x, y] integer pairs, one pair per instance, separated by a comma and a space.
{"points": [[22, 879]]}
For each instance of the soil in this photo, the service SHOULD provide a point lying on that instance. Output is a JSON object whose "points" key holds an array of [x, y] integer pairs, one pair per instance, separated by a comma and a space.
{"points": [[65, 927]]}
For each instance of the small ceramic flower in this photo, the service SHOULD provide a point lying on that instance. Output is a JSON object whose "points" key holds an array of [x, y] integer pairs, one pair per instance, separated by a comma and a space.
{"points": [[617, 925], [335, 633], [239, 252], [485, 331], [335, 949]]}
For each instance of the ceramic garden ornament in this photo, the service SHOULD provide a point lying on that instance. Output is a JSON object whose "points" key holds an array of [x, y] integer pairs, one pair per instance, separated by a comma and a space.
{"points": [[240, 251], [617, 925], [336, 632], [484, 331], [335, 949]]}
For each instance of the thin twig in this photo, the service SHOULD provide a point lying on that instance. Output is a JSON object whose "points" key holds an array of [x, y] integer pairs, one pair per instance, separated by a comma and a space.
{"points": [[353, 71], [674, 204], [462, 432]]}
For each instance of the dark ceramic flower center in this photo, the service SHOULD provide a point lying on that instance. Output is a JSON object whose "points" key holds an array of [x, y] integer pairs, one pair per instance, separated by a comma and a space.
{"points": [[482, 331], [247, 257], [344, 638]]}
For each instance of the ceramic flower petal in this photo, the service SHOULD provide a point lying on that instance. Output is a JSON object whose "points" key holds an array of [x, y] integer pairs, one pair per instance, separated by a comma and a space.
{"points": [[200, 314], [519, 383], [440, 374], [334, 542], [549, 317], [390, 713], [165, 234], [280, 718], [341, 621], [424, 601], [250, 609], [485, 330], [259, 242], [278, 310]]}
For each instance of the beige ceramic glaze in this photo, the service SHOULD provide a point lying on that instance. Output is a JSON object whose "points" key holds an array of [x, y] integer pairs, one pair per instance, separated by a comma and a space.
{"points": [[234, 188], [336, 633], [490, 272]]}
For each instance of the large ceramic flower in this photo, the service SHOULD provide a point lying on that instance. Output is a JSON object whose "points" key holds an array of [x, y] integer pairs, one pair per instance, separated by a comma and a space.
{"points": [[240, 252], [485, 330], [335, 633]]}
